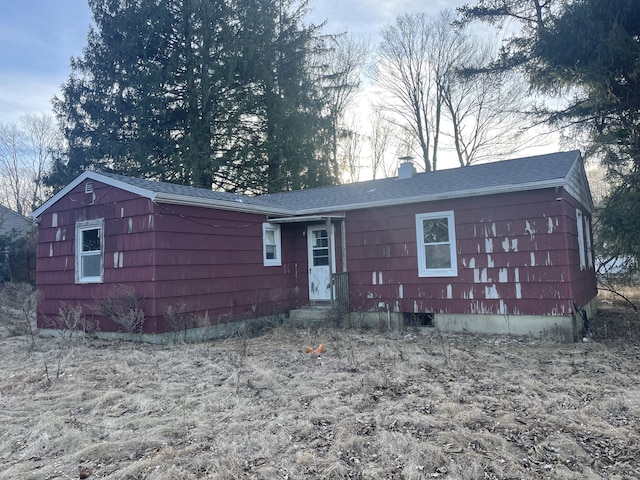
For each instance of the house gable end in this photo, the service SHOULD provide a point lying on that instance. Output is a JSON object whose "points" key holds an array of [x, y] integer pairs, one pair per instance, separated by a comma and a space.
{"points": [[89, 175], [577, 185]]}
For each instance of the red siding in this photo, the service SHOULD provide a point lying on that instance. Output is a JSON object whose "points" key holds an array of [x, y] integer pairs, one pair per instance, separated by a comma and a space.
{"points": [[516, 253], [210, 260]]}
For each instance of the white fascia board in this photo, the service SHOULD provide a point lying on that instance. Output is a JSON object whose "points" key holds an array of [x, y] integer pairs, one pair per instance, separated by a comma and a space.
{"points": [[90, 175], [174, 199], [442, 196]]}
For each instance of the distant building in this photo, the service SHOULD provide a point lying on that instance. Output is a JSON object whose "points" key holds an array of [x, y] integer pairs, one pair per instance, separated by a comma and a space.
{"points": [[17, 251]]}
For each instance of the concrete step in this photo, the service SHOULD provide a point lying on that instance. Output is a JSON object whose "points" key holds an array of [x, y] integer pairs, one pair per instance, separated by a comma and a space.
{"points": [[309, 316]]}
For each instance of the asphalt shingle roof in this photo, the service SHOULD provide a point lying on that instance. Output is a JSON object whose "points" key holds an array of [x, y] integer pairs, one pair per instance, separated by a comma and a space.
{"points": [[539, 171]]}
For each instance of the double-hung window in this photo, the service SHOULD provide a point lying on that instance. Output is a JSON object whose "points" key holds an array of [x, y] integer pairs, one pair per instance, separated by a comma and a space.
{"points": [[89, 251], [436, 242], [271, 249]]}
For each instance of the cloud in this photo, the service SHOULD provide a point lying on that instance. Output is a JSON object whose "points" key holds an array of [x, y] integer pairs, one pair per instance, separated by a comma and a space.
{"points": [[23, 93]]}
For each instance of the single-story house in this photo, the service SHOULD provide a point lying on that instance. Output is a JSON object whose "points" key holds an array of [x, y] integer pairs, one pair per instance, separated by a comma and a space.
{"points": [[501, 247]]}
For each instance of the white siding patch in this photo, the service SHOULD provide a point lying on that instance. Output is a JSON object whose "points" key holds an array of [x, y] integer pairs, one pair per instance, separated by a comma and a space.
{"points": [[550, 226], [516, 274], [548, 259], [449, 291], [491, 292], [54, 220], [528, 229], [502, 308], [476, 275], [493, 229], [503, 275], [533, 259], [472, 263], [471, 293], [379, 278], [505, 244], [490, 262], [130, 224], [400, 291], [122, 212], [483, 276], [518, 290], [415, 307], [514, 244], [374, 278], [58, 234], [51, 249], [488, 245]]}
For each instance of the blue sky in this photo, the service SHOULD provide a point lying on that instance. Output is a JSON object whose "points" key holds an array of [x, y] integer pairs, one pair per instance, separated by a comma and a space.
{"points": [[38, 38]]}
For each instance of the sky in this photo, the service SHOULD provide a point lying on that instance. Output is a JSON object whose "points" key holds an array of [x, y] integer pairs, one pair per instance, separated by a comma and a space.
{"points": [[39, 37]]}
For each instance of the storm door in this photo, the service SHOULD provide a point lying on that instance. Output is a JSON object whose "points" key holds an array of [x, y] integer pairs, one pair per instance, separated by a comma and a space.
{"points": [[322, 261]]}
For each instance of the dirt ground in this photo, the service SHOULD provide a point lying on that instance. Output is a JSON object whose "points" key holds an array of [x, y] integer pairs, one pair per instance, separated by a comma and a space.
{"points": [[407, 405]]}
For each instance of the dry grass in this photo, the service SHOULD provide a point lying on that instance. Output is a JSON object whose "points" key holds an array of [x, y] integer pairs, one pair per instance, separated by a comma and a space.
{"points": [[373, 406]]}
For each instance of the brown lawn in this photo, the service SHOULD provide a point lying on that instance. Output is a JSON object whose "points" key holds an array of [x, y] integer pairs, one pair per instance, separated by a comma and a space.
{"points": [[374, 405]]}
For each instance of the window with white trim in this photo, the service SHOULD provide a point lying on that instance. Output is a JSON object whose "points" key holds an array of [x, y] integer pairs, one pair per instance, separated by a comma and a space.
{"points": [[587, 234], [89, 251], [271, 248], [581, 247], [436, 241]]}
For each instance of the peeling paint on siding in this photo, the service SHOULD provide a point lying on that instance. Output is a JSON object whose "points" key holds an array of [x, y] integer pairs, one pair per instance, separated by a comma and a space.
{"points": [[54, 220], [472, 263], [488, 245], [528, 229], [503, 308], [550, 225], [490, 262], [548, 262], [118, 259], [400, 291], [51, 249], [415, 307], [483, 276], [514, 244], [449, 291], [380, 278], [374, 278], [505, 244], [503, 275], [130, 225], [58, 234], [518, 290], [533, 259], [476, 275], [122, 212], [491, 292]]}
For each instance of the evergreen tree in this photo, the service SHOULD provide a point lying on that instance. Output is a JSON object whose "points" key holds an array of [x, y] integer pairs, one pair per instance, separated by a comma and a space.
{"points": [[587, 53], [181, 91]]}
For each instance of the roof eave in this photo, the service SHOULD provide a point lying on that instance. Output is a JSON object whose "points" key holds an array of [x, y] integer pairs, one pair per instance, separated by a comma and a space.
{"points": [[441, 196], [91, 175], [175, 199]]}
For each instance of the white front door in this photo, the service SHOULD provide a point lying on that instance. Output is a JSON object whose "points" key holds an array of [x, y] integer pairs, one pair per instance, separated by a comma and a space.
{"points": [[319, 243]]}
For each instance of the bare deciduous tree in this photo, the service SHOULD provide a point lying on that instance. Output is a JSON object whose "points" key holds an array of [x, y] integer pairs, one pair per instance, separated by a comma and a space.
{"points": [[404, 71], [422, 65], [345, 62], [25, 154], [379, 140]]}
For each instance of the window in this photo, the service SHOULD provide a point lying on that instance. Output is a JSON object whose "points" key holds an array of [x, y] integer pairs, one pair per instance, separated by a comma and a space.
{"points": [[89, 251], [587, 233], [581, 247], [271, 245], [436, 238]]}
